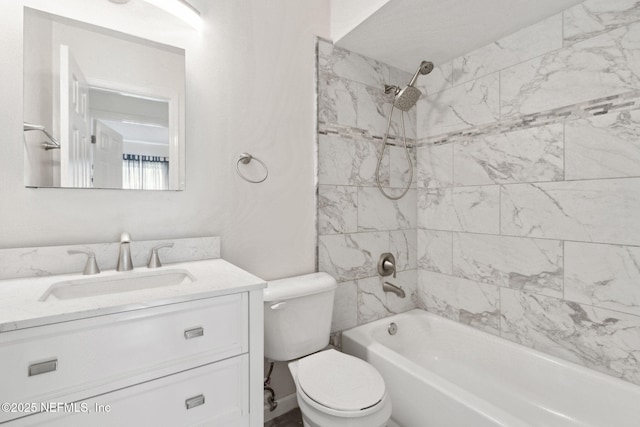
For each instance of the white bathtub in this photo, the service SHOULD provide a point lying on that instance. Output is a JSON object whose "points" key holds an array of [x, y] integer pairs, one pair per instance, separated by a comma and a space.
{"points": [[440, 373]]}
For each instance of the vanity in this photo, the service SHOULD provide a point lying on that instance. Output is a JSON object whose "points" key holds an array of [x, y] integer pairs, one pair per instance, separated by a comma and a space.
{"points": [[104, 109], [183, 346]]}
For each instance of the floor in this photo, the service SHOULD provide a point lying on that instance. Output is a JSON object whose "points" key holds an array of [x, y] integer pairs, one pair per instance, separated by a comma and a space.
{"points": [[290, 419], [294, 419]]}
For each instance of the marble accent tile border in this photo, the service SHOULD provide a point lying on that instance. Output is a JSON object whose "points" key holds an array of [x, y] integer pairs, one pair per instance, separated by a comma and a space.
{"points": [[52, 260], [621, 102], [350, 132]]}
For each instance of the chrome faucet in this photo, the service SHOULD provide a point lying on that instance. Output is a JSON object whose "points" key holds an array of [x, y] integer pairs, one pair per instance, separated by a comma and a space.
{"points": [[124, 255], [390, 287]]}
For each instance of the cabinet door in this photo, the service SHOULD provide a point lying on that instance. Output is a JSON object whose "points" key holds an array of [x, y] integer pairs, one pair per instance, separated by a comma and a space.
{"points": [[211, 395]]}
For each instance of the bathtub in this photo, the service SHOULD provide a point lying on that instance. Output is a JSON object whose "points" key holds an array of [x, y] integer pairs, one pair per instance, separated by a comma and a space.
{"points": [[440, 373]]}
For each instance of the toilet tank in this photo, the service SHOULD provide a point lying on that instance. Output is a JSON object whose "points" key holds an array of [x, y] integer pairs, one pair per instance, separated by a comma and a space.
{"points": [[297, 315]]}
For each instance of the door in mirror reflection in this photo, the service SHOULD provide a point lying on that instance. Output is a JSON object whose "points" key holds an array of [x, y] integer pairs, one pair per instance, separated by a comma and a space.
{"points": [[107, 156], [114, 102]]}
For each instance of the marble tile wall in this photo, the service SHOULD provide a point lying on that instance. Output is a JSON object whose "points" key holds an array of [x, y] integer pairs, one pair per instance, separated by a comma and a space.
{"points": [[356, 223], [528, 188]]}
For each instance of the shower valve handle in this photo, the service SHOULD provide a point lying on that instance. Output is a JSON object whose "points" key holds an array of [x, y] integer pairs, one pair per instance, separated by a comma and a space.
{"points": [[387, 265]]}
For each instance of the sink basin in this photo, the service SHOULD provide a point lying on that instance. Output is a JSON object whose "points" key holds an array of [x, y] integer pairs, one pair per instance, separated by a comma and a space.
{"points": [[117, 283]]}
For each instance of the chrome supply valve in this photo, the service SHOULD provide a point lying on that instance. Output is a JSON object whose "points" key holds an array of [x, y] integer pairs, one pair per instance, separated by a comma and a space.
{"points": [[154, 259], [91, 267], [124, 255]]}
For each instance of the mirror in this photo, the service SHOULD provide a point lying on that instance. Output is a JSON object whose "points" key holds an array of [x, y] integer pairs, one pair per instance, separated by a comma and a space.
{"points": [[102, 109]]}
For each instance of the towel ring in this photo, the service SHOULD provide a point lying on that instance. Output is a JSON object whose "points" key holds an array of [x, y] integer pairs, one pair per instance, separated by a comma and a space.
{"points": [[245, 159]]}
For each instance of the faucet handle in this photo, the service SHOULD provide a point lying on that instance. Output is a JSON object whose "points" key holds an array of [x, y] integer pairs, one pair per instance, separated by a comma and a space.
{"points": [[387, 265], [91, 267], [154, 259]]}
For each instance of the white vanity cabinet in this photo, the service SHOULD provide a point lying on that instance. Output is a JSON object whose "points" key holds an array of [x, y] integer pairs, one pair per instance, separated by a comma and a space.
{"points": [[189, 363]]}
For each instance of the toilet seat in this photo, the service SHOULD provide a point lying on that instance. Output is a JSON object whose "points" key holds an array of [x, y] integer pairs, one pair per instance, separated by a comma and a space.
{"points": [[340, 382]]}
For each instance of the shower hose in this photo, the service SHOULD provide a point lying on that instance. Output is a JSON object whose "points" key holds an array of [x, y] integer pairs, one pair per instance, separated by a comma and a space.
{"points": [[406, 150]]}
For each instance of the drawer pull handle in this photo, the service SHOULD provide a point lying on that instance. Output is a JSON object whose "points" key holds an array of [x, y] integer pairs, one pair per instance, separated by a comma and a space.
{"points": [[278, 306], [194, 401], [43, 367], [193, 333]]}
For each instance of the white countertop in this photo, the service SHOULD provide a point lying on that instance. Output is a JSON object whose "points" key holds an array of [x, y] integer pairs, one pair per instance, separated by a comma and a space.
{"points": [[20, 305]]}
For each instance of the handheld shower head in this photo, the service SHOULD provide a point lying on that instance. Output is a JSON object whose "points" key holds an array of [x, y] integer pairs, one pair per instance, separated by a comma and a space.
{"points": [[425, 68]]}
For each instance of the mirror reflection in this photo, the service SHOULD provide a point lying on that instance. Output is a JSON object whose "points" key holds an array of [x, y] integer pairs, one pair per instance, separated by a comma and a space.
{"points": [[101, 109]]}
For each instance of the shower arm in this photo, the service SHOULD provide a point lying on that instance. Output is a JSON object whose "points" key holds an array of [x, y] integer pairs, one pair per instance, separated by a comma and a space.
{"points": [[53, 145]]}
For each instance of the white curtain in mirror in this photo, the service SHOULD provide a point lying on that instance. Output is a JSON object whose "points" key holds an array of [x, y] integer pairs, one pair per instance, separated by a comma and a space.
{"points": [[145, 172]]}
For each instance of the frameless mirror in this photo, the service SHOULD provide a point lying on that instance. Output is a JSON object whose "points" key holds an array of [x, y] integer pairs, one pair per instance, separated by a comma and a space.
{"points": [[102, 109]]}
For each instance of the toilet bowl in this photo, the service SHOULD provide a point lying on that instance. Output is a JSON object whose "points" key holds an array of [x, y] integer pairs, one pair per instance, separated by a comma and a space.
{"points": [[335, 389]]}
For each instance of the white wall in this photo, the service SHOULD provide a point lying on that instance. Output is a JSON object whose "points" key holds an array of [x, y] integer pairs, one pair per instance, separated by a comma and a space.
{"points": [[106, 59], [250, 87], [348, 14], [38, 102]]}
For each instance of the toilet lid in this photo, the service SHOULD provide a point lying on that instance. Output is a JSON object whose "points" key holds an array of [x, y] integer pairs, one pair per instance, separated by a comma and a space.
{"points": [[339, 381]]}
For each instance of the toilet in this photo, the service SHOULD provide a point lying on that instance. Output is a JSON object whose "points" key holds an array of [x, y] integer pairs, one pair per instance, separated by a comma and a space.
{"points": [[333, 389]]}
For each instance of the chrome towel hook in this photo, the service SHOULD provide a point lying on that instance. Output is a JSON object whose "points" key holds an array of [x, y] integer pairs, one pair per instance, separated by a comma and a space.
{"points": [[245, 159]]}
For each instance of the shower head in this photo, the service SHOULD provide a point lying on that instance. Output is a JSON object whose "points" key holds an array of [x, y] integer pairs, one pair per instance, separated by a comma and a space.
{"points": [[407, 97], [425, 68]]}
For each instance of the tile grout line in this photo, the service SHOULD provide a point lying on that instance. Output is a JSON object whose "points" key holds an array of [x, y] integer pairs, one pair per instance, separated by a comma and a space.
{"points": [[452, 252], [500, 210], [512, 236], [500, 311], [502, 184], [499, 95], [564, 179], [564, 270], [528, 292], [564, 151], [564, 43]]}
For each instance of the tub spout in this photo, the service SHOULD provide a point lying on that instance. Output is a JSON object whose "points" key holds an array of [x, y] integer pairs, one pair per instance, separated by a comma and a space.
{"points": [[389, 287]]}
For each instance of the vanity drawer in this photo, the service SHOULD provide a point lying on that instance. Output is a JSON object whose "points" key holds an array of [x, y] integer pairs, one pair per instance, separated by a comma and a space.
{"points": [[86, 357], [216, 395]]}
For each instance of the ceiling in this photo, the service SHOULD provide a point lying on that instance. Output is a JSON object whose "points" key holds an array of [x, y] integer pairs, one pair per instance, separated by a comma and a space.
{"points": [[404, 32]]}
